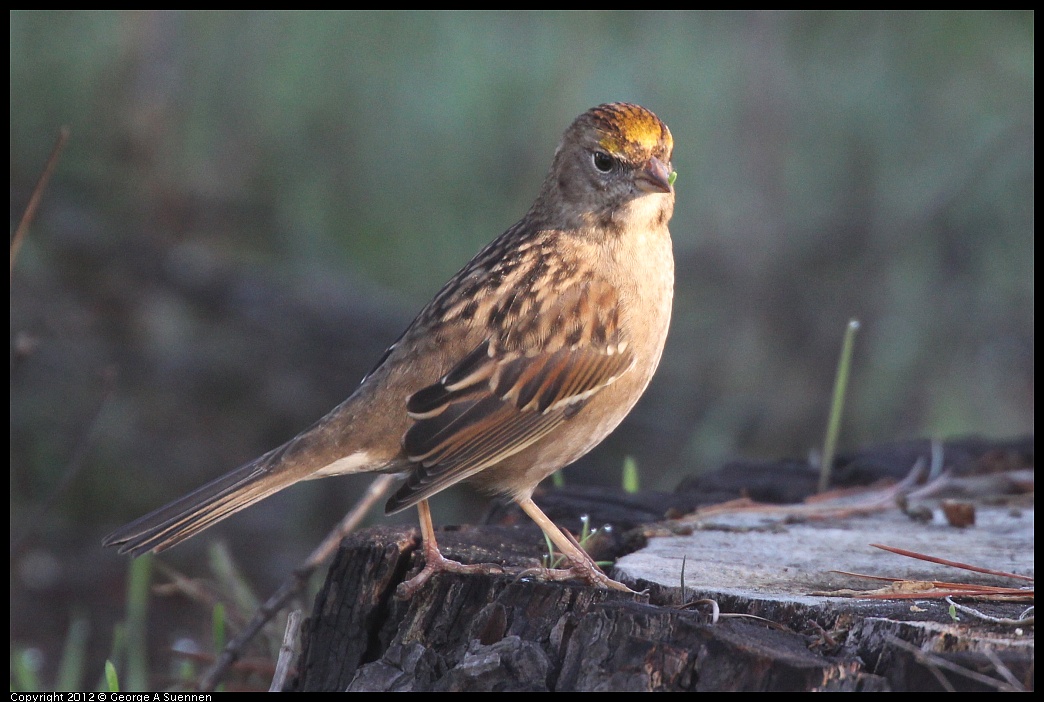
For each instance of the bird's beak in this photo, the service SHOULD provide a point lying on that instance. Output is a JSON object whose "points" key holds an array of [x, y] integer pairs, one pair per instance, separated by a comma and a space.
{"points": [[655, 177]]}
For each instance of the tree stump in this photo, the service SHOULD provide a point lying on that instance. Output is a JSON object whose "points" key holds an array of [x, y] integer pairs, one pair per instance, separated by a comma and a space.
{"points": [[510, 633]]}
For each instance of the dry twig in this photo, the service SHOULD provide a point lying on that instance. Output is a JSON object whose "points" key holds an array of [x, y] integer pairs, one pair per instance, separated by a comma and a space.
{"points": [[34, 200], [297, 580]]}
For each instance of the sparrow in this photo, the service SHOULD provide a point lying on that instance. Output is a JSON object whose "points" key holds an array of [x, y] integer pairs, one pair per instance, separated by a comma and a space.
{"points": [[522, 363]]}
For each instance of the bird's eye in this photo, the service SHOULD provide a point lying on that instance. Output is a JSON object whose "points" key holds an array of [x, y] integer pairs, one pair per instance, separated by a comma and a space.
{"points": [[603, 161]]}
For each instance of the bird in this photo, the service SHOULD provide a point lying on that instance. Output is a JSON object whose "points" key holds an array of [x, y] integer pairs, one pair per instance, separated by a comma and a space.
{"points": [[522, 363]]}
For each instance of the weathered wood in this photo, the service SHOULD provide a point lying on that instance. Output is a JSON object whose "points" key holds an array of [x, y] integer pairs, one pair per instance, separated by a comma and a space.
{"points": [[470, 633], [502, 632]]}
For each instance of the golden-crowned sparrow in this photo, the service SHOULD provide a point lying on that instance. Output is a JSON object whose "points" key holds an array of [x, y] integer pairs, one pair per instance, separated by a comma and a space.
{"points": [[524, 361]]}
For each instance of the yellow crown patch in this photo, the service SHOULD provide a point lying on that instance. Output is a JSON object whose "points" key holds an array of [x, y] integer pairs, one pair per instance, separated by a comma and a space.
{"points": [[628, 128]]}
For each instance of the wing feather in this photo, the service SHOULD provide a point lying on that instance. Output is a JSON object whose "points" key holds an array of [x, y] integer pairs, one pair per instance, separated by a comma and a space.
{"points": [[509, 392]]}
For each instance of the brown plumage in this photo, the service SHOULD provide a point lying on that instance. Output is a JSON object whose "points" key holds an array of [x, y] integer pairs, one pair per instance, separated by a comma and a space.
{"points": [[523, 362]]}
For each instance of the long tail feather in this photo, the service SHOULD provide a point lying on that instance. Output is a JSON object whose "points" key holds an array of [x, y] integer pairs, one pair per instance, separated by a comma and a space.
{"points": [[313, 453], [201, 508]]}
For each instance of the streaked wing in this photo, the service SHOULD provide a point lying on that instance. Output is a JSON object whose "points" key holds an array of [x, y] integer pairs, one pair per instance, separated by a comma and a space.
{"points": [[497, 401]]}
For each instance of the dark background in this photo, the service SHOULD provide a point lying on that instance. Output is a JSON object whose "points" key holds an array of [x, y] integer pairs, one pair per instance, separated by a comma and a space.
{"points": [[253, 205]]}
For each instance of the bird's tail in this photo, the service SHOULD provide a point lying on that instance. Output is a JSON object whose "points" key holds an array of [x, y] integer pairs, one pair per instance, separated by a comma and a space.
{"points": [[205, 506], [313, 453]]}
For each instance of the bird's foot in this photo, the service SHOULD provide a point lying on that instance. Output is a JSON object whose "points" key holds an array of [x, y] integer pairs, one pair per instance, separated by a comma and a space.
{"points": [[435, 562], [578, 571]]}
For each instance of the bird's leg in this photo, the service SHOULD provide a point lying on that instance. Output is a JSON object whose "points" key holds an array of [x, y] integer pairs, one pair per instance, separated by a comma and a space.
{"points": [[580, 564], [434, 561]]}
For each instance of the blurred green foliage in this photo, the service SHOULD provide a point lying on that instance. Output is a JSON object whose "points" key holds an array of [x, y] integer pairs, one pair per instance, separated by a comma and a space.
{"points": [[241, 187]]}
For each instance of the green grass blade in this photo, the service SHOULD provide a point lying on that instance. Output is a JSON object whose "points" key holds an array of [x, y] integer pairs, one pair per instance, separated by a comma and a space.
{"points": [[74, 653], [837, 404], [112, 680], [137, 671], [630, 475]]}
